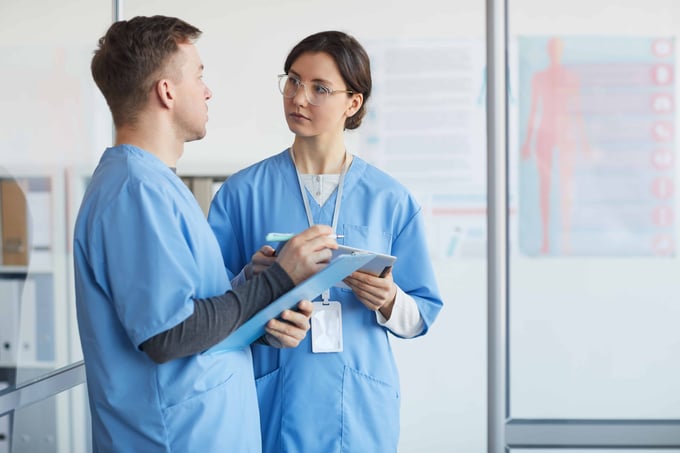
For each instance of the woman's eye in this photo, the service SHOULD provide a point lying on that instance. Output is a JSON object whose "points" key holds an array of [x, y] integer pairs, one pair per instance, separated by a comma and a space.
{"points": [[321, 89]]}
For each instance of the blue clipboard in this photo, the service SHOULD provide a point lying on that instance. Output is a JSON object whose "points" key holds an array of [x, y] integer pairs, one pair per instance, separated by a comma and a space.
{"points": [[253, 329]]}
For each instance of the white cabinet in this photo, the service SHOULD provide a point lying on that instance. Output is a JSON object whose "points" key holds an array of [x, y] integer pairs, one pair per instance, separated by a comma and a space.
{"points": [[33, 287]]}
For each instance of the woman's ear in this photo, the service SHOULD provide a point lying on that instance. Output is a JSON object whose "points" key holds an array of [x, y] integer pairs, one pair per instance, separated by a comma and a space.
{"points": [[355, 105]]}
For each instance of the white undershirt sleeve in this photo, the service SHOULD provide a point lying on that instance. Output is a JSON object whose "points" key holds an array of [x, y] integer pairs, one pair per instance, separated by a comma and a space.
{"points": [[405, 320]]}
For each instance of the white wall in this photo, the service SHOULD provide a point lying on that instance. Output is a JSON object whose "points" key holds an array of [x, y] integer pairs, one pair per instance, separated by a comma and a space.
{"points": [[244, 46], [51, 113]]}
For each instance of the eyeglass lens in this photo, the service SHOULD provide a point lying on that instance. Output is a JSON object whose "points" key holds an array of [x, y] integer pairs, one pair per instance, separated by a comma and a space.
{"points": [[315, 92]]}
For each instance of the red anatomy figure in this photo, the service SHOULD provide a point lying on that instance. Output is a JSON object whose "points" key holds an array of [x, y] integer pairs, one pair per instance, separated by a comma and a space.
{"points": [[556, 123]]}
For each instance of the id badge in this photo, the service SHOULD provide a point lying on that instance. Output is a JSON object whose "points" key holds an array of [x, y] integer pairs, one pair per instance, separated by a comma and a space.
{"points": [[327, 327]]}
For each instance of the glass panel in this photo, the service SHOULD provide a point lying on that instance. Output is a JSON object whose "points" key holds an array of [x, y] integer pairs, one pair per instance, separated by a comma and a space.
{"points": [[425, 126], [52, 120], [59, 424], [593, 273]]}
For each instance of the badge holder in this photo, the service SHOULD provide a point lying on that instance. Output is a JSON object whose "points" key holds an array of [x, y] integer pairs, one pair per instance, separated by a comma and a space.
{"points": [[327, 325]]}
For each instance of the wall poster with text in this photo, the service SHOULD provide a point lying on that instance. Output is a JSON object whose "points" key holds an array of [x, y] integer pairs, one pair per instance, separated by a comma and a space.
{"points": [[596, 136]]}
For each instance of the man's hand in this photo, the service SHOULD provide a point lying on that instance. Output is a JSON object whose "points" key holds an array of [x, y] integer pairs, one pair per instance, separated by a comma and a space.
{"points": [[291, 327], [307, 253]]}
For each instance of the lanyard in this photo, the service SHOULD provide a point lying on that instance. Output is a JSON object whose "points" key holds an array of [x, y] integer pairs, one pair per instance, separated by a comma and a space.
{"points": [[334, 222], [305, 200]]}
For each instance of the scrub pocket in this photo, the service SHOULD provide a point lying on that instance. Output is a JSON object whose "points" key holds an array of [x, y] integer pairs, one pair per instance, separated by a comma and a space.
{"points": [[269, 398], [229, 420], [370, 414], [360, 236]]}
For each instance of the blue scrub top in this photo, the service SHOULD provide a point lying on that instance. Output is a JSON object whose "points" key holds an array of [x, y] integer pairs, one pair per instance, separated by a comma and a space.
{"points": [[143, 250], [347, 401]]}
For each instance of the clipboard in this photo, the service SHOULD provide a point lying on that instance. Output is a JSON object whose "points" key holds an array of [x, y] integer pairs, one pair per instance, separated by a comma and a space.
{"points": [[253, 329], [378, 265]]}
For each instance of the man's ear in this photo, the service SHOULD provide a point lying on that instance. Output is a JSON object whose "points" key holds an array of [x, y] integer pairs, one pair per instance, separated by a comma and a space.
{"points": [[165, 92]]}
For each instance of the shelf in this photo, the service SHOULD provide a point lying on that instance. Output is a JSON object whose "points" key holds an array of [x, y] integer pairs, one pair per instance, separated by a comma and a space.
{"points": [[25, 270]]}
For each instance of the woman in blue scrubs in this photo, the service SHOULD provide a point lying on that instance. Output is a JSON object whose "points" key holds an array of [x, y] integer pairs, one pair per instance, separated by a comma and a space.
{"points": [[152, 295], [339, 390]]}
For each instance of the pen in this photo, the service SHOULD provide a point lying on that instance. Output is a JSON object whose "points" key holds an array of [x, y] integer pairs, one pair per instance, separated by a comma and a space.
{"points": [[283, 237]]}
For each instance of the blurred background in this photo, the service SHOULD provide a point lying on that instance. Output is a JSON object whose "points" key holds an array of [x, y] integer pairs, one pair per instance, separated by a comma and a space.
{"points": [[593, 296]]}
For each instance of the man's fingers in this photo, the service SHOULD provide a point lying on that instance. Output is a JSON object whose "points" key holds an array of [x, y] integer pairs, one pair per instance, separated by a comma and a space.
{"points": [[315, 231], [306, 308]]}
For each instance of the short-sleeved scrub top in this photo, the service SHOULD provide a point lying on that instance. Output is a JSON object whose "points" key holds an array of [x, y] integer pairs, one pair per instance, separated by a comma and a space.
{"points": [[331, 402], [143, 251]]}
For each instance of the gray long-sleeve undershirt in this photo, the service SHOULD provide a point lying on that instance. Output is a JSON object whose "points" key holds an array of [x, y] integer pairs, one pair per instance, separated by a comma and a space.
{"points": [[214, 318]]}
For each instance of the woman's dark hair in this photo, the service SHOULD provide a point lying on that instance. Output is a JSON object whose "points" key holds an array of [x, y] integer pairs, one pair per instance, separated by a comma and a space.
{"points": [[351, 59]]}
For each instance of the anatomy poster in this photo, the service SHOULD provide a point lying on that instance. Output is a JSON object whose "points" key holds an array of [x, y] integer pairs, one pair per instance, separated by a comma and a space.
{"points": [[596, 160]]}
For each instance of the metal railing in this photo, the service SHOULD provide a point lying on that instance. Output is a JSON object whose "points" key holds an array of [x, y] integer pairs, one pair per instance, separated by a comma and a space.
{"points": [[38, 389], [595, 434]]}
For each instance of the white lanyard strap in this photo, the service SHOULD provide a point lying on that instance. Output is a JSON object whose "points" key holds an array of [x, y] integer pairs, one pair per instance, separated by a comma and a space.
{"points": [[326, 294], [338, 198]]}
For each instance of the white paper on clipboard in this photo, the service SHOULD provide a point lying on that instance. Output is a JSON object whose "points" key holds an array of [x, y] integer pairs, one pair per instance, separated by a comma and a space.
{"points": [[377, 266]]}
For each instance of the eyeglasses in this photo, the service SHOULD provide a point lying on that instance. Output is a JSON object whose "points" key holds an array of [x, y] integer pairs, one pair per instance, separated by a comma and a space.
{"points": [[316, 94]]}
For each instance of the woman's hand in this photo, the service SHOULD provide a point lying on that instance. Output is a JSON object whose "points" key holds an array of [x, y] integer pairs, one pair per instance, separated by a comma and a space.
{"points": [[260, 261], [376, 293]]}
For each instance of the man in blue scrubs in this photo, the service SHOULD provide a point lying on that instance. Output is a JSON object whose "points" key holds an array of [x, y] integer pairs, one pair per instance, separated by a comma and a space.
{"points": [[152, 294]]}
